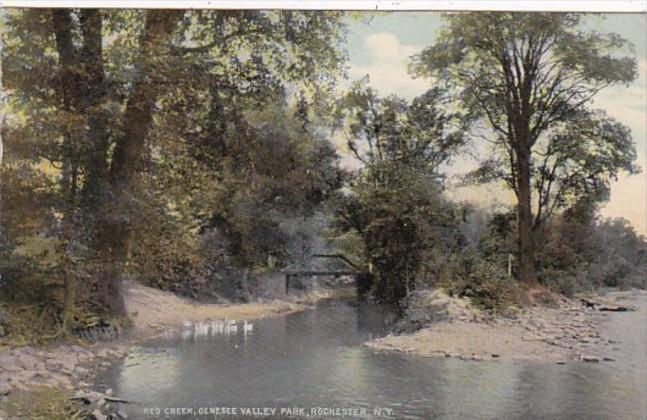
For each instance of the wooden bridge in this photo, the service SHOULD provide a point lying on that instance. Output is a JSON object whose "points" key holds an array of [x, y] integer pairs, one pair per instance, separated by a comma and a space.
{"points": [[334, 265]]}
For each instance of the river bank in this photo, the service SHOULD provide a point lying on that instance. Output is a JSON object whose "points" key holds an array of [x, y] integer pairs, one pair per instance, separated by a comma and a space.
{"points": [[155, 312], [563, 330], [71, 367]]}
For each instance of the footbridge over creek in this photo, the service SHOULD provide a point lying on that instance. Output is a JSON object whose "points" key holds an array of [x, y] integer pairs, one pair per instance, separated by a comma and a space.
{"points": [[327, 265]]}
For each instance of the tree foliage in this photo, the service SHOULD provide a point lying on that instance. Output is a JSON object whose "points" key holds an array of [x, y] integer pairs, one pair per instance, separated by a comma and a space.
{"points": [[181, 148], [395, 203]]}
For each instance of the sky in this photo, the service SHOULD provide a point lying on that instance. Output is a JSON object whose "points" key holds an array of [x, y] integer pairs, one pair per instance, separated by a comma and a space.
{"points": [[381, 47]]}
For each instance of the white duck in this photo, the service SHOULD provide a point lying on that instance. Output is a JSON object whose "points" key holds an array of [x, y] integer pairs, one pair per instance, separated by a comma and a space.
{"points": [[231, 327], [202, 329], [216, 327]]}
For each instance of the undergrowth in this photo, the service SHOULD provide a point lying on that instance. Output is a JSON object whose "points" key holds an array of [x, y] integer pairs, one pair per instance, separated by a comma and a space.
{"points": [[41, 403]]}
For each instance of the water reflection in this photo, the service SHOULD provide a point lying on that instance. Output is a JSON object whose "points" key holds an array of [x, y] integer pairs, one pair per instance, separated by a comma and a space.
{"points": [[315, 358]]}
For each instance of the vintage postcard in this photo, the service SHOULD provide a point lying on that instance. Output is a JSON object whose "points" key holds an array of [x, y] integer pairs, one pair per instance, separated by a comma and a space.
{"points": [[244, 213]]}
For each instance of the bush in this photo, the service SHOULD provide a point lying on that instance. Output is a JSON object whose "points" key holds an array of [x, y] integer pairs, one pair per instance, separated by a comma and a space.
{"points": [[566, 282], [483, 281], [582, 255]]}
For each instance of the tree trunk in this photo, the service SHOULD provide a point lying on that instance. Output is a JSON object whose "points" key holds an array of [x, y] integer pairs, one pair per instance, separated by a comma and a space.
{"points": [[70, 93], [82, 92], [114, 230], [69, 301], [527, 271], [95, 94], [111, 252]]}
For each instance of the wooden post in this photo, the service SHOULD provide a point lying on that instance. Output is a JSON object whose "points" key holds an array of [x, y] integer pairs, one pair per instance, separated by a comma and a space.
{"points": [[363, 283], [287, 283]]}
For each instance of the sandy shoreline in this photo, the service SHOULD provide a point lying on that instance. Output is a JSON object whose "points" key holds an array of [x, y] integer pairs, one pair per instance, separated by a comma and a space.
{"points": [[568, 331], [155, 312]]}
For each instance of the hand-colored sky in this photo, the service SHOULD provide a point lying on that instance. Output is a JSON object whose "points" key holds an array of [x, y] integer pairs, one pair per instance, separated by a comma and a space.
{"points": [[381, 49]]}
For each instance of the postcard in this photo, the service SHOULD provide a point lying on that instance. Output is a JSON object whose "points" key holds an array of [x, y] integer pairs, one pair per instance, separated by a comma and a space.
{"points": [[221, 212]]}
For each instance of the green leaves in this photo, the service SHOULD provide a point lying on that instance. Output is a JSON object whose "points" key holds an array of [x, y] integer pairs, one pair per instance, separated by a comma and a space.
{"points": [[540, 65], [419, 135], [394, 201], [579, 159], [149, 117]]}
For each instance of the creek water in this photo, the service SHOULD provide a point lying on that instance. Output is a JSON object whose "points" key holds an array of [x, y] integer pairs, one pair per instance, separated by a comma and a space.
{"points": [[314, 360]]}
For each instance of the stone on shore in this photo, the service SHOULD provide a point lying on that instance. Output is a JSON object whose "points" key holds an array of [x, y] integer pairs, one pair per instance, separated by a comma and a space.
{"points": [[5, 388], [53, 364], [25, 367], [425, 306], [98, 415], [8, 363]]}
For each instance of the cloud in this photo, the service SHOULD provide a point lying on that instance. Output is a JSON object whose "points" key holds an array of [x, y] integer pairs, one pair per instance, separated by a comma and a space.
{"points": [[386, 47], [387, 61]]}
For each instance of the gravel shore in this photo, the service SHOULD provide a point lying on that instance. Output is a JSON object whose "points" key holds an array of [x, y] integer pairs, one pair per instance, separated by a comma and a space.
{"points": [[566, 330]]}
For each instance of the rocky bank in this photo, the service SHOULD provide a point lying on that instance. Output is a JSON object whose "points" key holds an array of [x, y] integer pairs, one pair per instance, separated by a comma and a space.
{"points": [[565, 329]]}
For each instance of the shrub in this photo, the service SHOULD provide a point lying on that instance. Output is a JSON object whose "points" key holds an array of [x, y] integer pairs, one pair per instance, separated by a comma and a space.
{"points": [[483, 281]]}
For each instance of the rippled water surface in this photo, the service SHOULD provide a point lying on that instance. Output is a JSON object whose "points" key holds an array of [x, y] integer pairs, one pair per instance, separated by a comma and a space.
{"points": [[315, 359]]}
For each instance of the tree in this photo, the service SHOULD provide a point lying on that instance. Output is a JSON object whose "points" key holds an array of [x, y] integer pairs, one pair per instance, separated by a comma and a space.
{"points": [[622, 255], [531, 77], [395, 203]]}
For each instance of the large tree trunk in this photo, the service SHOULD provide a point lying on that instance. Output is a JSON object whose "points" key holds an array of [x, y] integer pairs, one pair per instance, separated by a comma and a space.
{"points": [[94, 95], [71, 97], [527, 271], [113, 235], [82, 92]]}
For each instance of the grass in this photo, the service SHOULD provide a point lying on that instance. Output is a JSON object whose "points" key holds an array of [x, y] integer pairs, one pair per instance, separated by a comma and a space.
{"points": [[40, 403]]}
